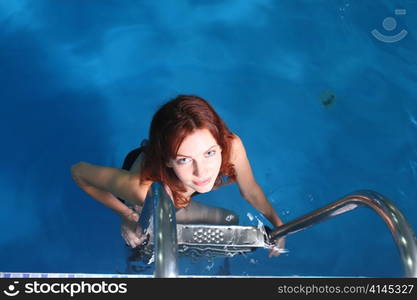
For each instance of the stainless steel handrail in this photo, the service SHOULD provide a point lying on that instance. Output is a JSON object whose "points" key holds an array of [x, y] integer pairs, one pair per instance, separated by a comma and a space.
{"points": [[165, 229], [401, 230]]}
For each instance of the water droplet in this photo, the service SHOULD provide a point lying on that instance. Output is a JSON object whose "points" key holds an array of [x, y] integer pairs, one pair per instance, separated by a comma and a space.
{"points": [[250, 216]]}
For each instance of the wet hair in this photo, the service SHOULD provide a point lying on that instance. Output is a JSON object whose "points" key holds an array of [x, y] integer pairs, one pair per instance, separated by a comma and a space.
{"points": [[170, 125]]}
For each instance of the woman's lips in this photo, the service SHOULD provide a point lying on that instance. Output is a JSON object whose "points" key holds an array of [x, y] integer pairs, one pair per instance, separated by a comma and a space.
{"points": [[200, 183]]}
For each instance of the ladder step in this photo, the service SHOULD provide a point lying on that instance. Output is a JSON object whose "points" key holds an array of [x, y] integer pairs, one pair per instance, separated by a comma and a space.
{"points": [[210, 241], [220, 236]]}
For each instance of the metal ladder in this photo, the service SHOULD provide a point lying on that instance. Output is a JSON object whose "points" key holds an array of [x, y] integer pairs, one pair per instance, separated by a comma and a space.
{"points": [[168, 239]]}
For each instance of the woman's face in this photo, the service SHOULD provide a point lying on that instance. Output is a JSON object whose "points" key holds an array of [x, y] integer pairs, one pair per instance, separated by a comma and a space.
{"points": [[198, 161]]}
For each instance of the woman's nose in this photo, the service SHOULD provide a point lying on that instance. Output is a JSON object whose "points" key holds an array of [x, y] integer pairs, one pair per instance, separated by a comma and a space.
{"points": [[199, 169]]}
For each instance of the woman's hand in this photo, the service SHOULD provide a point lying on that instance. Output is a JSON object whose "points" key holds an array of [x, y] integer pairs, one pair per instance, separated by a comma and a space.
{"points": [[131, 231], [277, 248]]}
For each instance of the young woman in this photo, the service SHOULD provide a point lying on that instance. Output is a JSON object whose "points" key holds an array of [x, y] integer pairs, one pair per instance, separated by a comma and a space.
{"points": [[190, 150]]}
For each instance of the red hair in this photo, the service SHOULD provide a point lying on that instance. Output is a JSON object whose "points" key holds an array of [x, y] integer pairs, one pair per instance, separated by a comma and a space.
{"points": [[170, 125]]}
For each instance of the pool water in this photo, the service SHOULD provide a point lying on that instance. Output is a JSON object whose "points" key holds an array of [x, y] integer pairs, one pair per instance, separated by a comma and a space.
{"points": [[322, 93]]}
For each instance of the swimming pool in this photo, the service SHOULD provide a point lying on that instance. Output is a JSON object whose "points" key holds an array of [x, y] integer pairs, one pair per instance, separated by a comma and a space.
{"points": [[323, 105]]}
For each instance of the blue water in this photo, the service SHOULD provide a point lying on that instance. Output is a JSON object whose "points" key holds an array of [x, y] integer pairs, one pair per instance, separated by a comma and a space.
{"points": [[80, 80]]}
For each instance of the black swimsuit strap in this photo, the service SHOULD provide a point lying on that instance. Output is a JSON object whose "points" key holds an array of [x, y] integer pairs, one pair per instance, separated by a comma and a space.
{"points": [[130, 158]]}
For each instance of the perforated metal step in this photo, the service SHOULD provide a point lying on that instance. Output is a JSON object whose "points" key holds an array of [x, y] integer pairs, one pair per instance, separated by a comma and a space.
{"points": [[210, 241]]}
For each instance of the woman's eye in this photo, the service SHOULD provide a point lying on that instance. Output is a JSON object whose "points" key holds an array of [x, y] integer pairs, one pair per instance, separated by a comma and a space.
{"points": [[212, 152], [182, 160]]}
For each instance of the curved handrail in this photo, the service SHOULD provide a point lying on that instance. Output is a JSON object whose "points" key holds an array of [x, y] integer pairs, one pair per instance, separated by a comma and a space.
{"points": [[401, 230], [165, 229]]}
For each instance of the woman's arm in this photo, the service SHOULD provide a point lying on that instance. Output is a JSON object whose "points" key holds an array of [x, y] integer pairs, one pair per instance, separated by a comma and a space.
{"points": [[260, 202], [252, 192], [248, 187], [105, 184]]}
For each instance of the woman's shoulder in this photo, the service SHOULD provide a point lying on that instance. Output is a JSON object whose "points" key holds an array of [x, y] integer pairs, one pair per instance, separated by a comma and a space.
{"points": [[236, 148], [236, 140], [233, 136]]}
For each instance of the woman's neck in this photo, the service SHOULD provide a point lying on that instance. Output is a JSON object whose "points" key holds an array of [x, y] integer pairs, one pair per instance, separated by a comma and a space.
{"points": [[187, 194]]}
